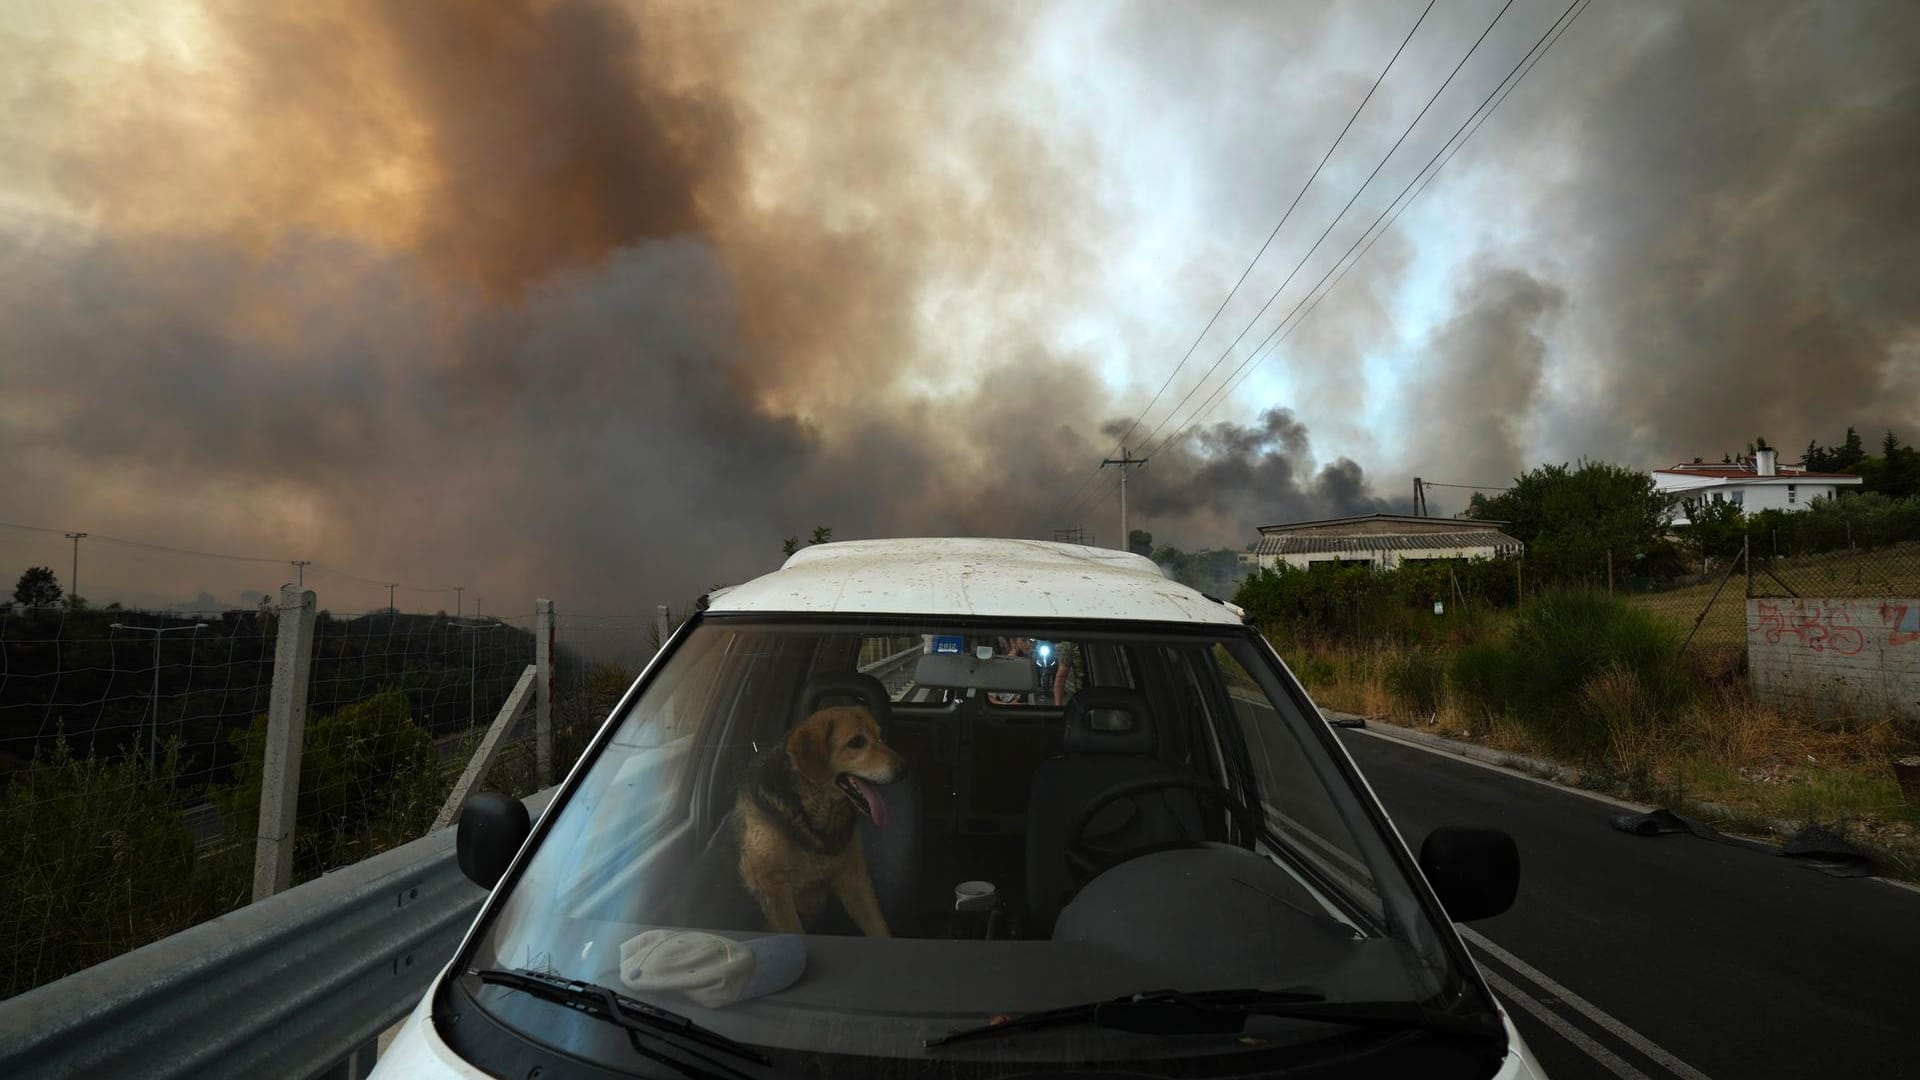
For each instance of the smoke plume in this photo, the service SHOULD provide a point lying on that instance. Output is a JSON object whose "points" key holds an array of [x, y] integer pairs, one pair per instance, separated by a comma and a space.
{"points": [[603, 301]]}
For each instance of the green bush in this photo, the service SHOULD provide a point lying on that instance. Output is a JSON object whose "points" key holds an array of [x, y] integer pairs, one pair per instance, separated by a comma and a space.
{"points": [[1417, 680], [1542, 672], [97, 860], [369, 779], [1355, 602]]}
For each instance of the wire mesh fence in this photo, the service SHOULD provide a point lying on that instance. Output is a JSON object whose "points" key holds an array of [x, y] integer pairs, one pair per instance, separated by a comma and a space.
{"points": [[133, 746]]}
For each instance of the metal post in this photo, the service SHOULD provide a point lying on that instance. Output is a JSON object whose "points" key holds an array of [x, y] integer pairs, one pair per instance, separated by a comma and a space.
{"points": [[301, 565], [153, 729], [390, 589], [662, 625], [543, 690], [73, 581], [286, 730]]}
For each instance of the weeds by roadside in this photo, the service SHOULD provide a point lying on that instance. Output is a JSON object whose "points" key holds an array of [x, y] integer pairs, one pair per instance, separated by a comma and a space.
{"points": [[1606, 696]]}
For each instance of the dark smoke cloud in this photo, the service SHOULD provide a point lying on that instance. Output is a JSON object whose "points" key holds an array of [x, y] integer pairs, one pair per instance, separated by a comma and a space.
{"points": [[1480, 388], [1737, 226], [1221, 477]]}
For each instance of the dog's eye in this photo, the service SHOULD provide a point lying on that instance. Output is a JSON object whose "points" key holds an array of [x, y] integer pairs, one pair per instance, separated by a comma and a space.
{"points": [[858, 742]]}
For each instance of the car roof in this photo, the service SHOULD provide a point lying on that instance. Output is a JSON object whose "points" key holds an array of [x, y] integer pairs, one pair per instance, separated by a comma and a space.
{"points": [[971, 576]]}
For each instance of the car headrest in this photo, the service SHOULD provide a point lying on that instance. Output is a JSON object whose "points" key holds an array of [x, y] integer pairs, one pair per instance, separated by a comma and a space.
{"points": [[1109, 720], [841, 688]]}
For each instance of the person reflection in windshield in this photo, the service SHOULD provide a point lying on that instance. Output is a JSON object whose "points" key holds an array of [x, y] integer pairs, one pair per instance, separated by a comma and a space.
{"points": [[1018, 648]]}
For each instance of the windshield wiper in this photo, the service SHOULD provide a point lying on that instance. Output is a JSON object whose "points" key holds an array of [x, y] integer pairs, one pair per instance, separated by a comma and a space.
{"points": [[1222, 1012], [637, 1017]]}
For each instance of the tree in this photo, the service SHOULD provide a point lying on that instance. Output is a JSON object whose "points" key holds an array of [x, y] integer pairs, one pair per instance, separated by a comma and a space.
{"points": [[1899, 469], [821, 535], [1850, 453], [1717, 530], [1573, 519], [1140, 542], [37, 588], [790, 545]]}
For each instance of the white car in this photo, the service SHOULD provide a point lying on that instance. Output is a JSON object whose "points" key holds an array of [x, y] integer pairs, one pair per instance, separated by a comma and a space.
{"points": [[1123, 842]]}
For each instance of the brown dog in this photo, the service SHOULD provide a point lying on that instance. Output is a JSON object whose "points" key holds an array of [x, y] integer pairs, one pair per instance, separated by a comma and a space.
{"points": [[796, 819]]}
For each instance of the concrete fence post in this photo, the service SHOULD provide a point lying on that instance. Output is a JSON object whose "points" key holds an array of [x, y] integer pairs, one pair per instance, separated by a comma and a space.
{"points": [[661, 624], [286, 730], [543, 690]]}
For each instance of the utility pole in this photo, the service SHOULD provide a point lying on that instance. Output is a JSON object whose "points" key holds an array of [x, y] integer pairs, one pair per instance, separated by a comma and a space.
{"points": [[1419, 498], [301, 565], [1125, 459], [457, 589], [390, 587], [73, 580]]}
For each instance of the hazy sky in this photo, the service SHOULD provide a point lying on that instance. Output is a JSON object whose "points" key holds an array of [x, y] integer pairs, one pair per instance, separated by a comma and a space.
{"points": [[601, 301]]}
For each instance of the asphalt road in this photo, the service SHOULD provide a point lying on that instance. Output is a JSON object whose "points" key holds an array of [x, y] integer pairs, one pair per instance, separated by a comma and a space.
{"points": [[1670, 956]]}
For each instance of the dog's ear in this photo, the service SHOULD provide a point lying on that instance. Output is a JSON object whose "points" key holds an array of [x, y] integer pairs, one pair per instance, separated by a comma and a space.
{"points": [[807, 748]]}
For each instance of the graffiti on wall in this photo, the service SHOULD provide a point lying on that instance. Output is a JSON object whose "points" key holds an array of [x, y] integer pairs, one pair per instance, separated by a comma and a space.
{"points": [[1903, 623], [1813, 624]]}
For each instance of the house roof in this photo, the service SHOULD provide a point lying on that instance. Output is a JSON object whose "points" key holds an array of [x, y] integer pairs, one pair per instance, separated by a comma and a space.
{"points": [[1380, 523], [1723, 471], [965, 576], [1493, 541]]}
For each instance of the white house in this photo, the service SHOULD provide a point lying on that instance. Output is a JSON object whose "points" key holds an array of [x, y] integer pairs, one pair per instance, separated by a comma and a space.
{"points": [[1753, 484], [1382, 540]]}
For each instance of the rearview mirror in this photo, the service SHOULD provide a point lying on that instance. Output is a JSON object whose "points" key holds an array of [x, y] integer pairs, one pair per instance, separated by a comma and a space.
{"points": [[492, 828], [1475, 872]]}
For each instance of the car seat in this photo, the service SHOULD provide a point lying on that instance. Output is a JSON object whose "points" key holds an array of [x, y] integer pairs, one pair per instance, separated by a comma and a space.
{"points": [[892, 852], [1109, 740]]}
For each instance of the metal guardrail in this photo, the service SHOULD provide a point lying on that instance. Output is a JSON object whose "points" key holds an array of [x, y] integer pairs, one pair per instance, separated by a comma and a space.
{"points": [[894, 671], [299, 984]]}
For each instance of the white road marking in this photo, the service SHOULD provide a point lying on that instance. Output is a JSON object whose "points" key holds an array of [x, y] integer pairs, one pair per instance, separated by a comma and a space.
{"points": [[1586, 1008], [1513, 995], [1455, 755]]}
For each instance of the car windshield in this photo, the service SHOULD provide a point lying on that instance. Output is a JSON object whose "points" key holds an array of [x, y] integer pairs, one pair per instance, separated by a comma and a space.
{"points": [[903, 828]]}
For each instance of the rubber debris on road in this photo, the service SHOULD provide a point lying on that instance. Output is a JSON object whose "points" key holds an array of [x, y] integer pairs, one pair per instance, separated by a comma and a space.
{"points": [[1660, 823], [1816, 847], [1830, 853]]}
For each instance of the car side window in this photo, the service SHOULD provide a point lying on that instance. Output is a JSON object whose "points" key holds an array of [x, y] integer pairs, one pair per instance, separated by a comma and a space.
{"points": [[1293, 797]]}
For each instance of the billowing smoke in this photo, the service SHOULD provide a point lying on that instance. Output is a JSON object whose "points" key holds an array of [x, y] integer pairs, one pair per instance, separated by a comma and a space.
{"points": [[597, 301], [533, 294], [1221, 477], [1476, 398], [1724, 193]]}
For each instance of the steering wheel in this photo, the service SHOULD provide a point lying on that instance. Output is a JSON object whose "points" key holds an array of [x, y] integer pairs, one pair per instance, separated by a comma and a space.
{"points": [[1086, 862]]}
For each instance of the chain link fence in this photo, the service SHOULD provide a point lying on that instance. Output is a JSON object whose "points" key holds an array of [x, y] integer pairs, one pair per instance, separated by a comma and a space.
{"points": [[133, 745]]}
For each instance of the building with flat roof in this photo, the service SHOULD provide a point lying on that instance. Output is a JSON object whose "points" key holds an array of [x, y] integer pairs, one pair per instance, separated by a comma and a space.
{"points": [[1381, 540]]}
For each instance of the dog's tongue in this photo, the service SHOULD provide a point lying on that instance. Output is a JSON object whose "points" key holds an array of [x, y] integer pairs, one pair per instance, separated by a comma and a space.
{"points": [[876, 805]]}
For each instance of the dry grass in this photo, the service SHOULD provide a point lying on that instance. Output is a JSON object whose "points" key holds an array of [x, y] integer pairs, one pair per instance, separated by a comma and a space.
{"points": [[1758, 763]]}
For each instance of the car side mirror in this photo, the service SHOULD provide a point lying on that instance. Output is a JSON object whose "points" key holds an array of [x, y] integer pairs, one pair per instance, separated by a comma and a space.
{"points": [[492, 828], [1475, 872]]}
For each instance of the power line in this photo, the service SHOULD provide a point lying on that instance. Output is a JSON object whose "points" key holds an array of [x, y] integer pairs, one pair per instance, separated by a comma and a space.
{"points": [[1263, 247], [1510, 82], [1228, 351], [1275, 336], [144, 546]]}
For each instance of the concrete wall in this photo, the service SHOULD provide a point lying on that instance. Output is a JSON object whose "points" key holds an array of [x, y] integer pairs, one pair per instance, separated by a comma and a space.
{"points": [[1836, 657]]}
